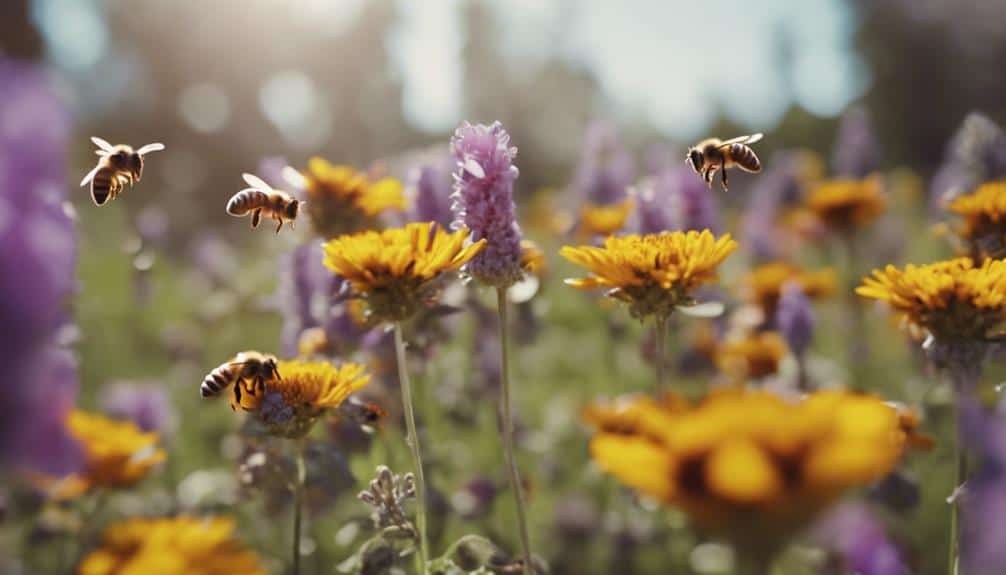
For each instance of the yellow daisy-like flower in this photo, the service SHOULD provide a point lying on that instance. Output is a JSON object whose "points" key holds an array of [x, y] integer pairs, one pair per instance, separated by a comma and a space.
{"points": [[116, 454], [763, 285], [844, 205], [342, 200], [603, 220], [734, 469], [755, 356], [289, 404], [532, 259], [181, 545], [393, 270], [655, 273], [954, 299], [984, 219]]}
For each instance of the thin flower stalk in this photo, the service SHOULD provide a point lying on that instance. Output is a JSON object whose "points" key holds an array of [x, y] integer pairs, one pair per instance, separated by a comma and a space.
{"points": [[412, 438], [660, 339], [298, 502], [508, 449]]}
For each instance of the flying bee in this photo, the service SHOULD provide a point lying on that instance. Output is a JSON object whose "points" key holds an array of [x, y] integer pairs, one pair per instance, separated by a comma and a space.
{"points": [[117, 166], [247, 365], [362, 412], [714, 154], [260, 199]]}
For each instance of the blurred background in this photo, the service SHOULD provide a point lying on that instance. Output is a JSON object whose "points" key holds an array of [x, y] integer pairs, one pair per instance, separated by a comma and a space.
{"points": [[169, 285]]}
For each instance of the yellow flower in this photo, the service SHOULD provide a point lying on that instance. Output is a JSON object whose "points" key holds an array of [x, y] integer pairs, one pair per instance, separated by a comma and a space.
{"points": [[954, 300], [655, 273], [532, 259], [731, 464], [984, 215], [394, 270], [763, 285], [755, 356], [342, 200], [603, 220], [181, 545], [116, 454], [289, 405], [843, 205]]}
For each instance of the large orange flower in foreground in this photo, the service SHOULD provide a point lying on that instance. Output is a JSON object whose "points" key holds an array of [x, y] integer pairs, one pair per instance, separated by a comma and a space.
{"points": [[654, 273], [748, 464]]}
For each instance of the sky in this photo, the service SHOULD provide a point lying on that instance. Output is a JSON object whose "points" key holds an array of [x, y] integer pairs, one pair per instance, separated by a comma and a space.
{"points": [[675, 64]]}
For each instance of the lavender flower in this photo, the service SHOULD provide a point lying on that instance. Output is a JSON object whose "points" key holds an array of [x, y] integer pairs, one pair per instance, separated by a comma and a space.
{"points": [[675, 200], [146, 405], [983, 534], [860, 542], [605, 170], [431, 202], [857, 152], [37, 263], [779, 186], [976, 154], [483, 200], [794, 318]]}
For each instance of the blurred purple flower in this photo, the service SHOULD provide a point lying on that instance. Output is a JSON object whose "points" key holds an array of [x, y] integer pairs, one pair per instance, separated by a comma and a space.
{"points": [[270, 169], [860, 542], [856, 153], [976, 154], [983, 533], [605, 170], [483, 200], [675, 199], [779, 186], [310, 296], [37, 272], [146, 405], [660, 157], [794, 318], [432, 199]]}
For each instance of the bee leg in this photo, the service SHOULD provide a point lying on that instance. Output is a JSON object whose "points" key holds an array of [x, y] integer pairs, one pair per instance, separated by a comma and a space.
{"points": [[256, 218], [723, 177], [280, 226], [708, 176], [237, 393]]}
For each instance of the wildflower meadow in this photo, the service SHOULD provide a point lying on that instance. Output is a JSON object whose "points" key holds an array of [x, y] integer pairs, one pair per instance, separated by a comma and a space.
{"points": [[394, 288]]}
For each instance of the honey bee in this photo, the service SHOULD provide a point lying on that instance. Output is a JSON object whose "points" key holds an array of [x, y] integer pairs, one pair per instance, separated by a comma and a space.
{"points": [[714, 154], [117, 166], [247, 365], [260, 199], [362, 412]]}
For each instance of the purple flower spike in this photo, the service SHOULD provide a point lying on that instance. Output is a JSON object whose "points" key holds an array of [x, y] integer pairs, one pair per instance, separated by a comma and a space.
{"points": [[983, 535], [977, 154], [856, 153], [605, 170], [675, 200], [37, 273], [794, 318], [853, 534], [483, 200], [146, 405]]}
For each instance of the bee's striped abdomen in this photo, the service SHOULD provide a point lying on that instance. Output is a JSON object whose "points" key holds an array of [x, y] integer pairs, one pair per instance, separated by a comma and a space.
{"points": [[745, 157], [218, 380], [102, 185], [246, 200]]}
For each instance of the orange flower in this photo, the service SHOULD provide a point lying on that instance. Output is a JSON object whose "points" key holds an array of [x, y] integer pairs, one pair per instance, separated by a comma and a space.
{"points": [[342, 200], [984, 219], [844, 205], [755, 356], [603, 220], [763, 285]]}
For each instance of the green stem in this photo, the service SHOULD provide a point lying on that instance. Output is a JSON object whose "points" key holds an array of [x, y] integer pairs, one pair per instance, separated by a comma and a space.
{"points": [[660, 337], [412, 438], [508, 450], [953, 559], [298, 501]]}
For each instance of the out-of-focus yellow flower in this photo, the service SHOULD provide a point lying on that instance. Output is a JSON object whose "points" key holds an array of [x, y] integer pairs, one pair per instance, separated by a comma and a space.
{"points": [[393, 270], [763, 285], [984, 219], [532, 259], [655, 273], [748, 464], [953, 299], [116, 454], [844, 205], [289, 404], [754, 356], [181, 545], [603, 220], [342, 200]]}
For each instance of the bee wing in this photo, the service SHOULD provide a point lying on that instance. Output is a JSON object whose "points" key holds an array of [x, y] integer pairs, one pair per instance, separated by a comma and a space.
{"points": [[104, 145], [743, 140], [90, 176], [256, 182], [155, 147], [293, 177]]}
